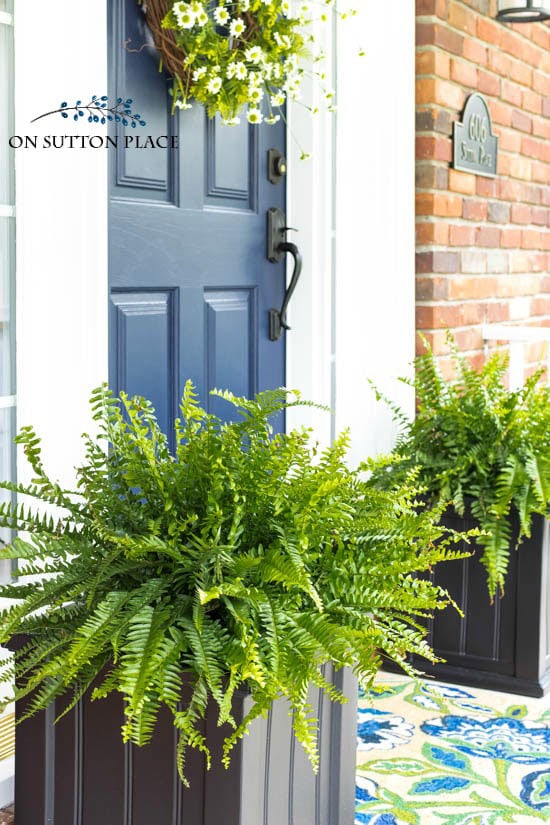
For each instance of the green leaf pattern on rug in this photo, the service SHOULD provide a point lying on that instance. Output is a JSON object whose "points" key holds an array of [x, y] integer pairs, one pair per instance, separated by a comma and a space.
{"points": [[466, 763]]}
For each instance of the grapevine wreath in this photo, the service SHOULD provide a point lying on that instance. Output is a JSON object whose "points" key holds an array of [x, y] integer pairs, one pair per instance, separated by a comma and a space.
{"points": [[232, 54]]}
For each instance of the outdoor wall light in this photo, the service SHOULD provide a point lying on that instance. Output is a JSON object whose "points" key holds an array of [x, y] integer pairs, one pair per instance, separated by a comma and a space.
{"points": [[523, 11]]}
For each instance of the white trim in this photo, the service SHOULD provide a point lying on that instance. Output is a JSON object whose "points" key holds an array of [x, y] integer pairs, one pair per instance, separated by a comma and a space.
{"points": [[7, 401], [6, 19], [501, 332], [7, 776], [7, 211], [61, 239], [517, 337]]}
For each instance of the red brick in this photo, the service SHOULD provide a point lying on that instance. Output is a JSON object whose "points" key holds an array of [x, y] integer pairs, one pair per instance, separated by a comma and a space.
{"points": [[431, 289], [424, 203], [475, 51], [540, 172], [521, 121], [428, 232], [424, 262], [540, 306], [447, 205], [448, 40], [464, 73], [462, 235], [474, 210], [541, 83], [486, 187], [510, 238], [425, 90], [462, 18], [531, 239], [499, 212], [501, 112], [521, 213], [488, 84], [532, 101], [444, 261], [463, 182], [488, 236], [489, 31], [535, 149], [509, 141], [449, 95], [425, 34], [432, 62], [500, 63], [541, 36], [521, 73], [541, 128], [434, 148], [467, 288], [540, 216], [511, 92]]}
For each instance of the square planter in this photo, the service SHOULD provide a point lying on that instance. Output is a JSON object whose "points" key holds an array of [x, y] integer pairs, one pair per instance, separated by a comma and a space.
{"points": [[79, 772], [501, 646]]}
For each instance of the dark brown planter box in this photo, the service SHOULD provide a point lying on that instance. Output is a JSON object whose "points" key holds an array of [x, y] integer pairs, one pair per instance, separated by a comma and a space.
{"points": [[78, 772], [504, 646]]}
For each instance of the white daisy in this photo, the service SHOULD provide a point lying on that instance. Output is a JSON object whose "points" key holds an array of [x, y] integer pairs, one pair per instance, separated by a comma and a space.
{"points": [[221, 15], [198, 73], [254, 116], [240, 70], [214, 85], [278, 99], [183, 104], [184, 15], [254, 54], [255, 94], [237, 27], [231, 121], [272, 119]]}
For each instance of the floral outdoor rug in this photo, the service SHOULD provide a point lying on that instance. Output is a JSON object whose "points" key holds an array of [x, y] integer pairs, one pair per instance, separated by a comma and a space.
{"points": [[436, 753]]}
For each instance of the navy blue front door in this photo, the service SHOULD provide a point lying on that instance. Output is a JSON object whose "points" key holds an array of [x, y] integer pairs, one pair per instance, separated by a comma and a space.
{"points": [[190, 285]]}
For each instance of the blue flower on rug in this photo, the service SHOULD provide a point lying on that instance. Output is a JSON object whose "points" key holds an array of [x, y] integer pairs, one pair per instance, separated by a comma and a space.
{"points": [[496, 738], [535, 789], [380, 729]]}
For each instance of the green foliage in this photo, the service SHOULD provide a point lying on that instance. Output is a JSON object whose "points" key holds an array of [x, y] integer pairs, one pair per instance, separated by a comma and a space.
{"points": [[245, 560], [474, 438]]}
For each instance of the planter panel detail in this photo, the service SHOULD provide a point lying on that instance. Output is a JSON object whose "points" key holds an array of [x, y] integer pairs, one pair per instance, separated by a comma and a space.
{"points": [[78, 771], [501, 646]]}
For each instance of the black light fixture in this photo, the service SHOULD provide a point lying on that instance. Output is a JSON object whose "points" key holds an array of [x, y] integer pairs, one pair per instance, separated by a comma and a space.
{"points": [[523, 11]]}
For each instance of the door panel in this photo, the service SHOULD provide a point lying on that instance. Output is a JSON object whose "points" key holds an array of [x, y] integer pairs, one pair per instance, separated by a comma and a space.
{"points": [[190, 284]]}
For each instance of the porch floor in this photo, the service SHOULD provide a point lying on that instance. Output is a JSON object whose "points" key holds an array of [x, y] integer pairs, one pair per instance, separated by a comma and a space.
{"points": [[435, 753]]}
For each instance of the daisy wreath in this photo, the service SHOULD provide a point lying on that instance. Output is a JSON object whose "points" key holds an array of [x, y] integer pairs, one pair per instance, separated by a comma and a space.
{"points": [[232, 54]]}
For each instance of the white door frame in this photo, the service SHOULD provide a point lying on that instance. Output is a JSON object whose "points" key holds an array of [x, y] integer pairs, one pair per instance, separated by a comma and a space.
{"points": [[353, 312]]}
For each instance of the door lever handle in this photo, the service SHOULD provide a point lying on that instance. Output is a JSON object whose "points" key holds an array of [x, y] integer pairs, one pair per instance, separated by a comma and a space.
{"points": [[277, 317], [277, 246]]}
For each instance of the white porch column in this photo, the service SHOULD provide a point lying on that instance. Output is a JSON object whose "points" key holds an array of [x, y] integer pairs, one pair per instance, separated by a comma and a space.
{"points": [[375, 240], [61, 214]]}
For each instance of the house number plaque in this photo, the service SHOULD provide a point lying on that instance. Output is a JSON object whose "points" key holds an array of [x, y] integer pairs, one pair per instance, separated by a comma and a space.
{"points": [[475, 146]]}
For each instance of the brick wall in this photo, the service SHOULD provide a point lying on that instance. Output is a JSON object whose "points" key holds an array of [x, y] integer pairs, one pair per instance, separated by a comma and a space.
{"points": [[483, 245]]}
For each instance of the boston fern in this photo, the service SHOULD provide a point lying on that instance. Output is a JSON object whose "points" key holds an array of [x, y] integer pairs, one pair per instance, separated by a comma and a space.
{"points": [[473, 438], [245, 560]]}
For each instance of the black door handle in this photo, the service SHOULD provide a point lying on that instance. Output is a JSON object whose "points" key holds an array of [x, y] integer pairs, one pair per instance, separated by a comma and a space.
{"points": [[277, 246]]}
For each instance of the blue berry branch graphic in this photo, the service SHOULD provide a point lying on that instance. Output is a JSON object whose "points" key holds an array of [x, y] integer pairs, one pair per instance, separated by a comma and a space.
{"points": [[99, 111]]}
